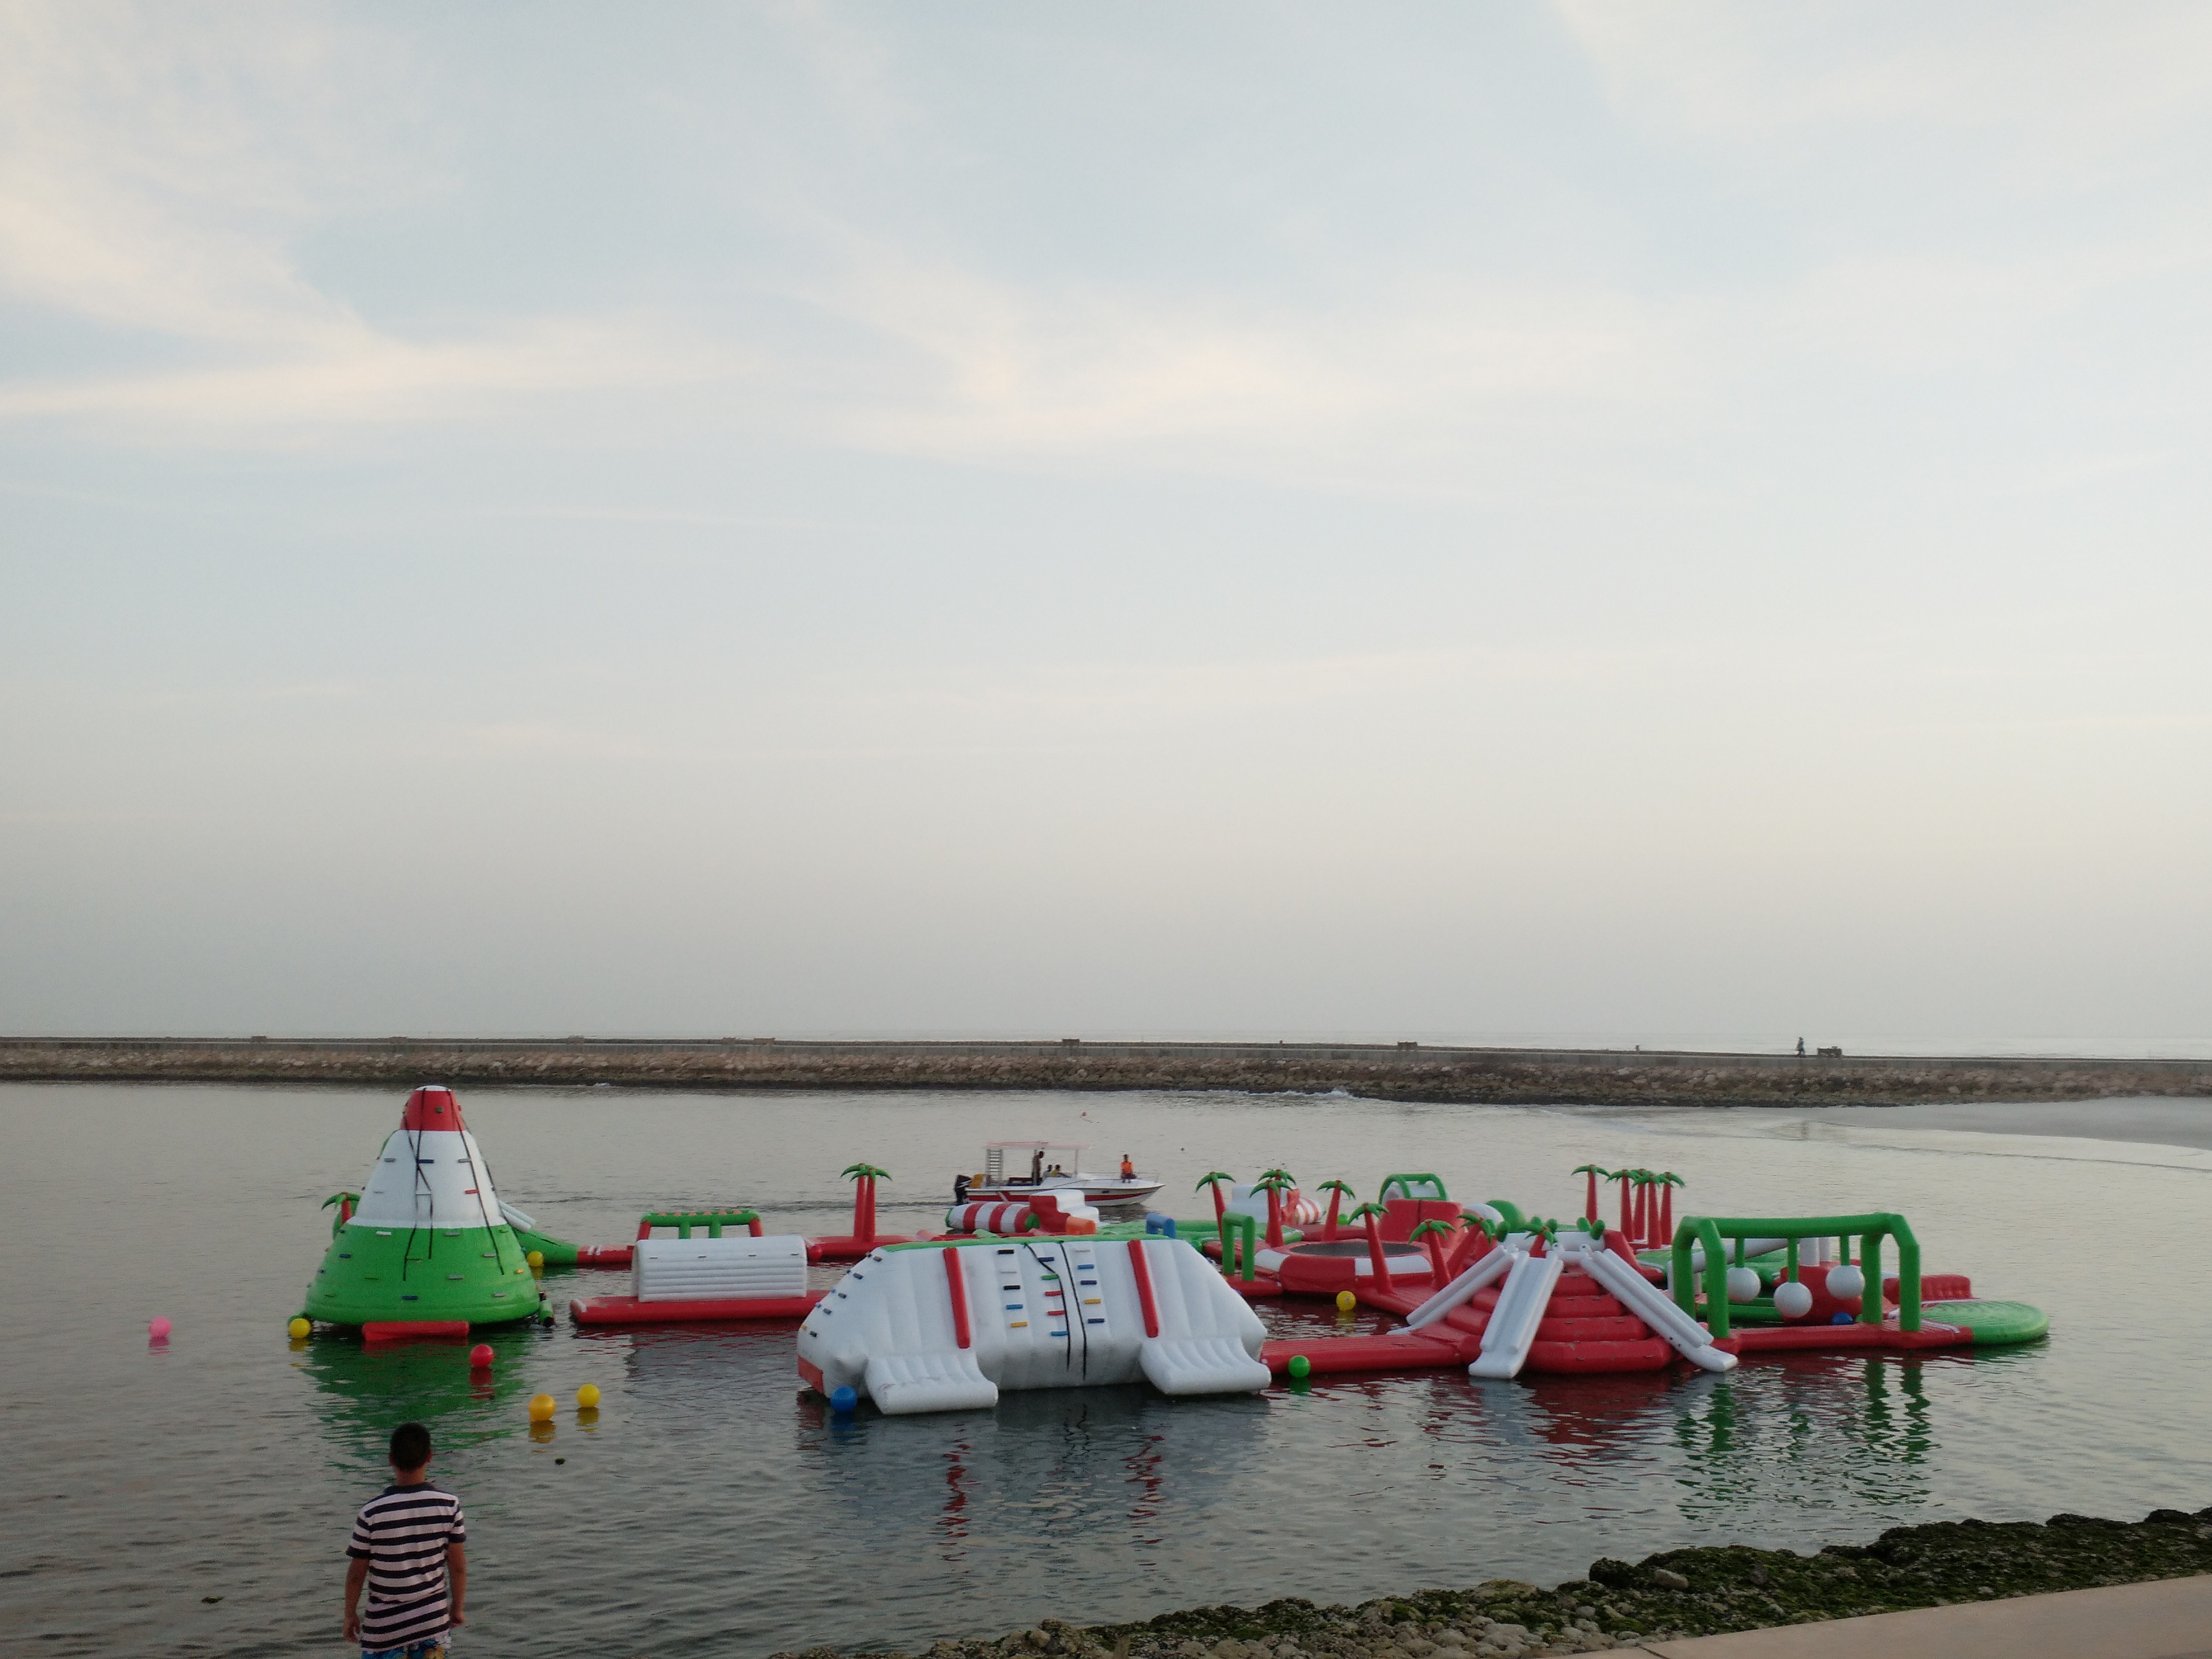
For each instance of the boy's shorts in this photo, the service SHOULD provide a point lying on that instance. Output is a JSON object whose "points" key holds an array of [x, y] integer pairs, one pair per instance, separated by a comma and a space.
{"points": [[432, 1647]]}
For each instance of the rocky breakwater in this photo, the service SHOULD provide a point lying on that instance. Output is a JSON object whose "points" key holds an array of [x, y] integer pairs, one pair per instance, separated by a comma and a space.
{"points": [[1382, 1070], [1664, 1597]]}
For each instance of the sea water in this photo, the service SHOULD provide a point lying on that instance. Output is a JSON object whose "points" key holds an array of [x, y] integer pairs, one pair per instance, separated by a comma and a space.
{"points": [[193, 1496]]}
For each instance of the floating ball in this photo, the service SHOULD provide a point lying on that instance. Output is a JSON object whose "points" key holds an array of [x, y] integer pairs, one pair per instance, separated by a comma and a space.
{"points": [[1840, 1319], [1793, 1300], [1742, 1284], [1300, 1365], [1345, 1301], [536, 1258], [587, 1396], [541, 1408], [480, 1357], [1844, 1283], [157, 1328], [842, 1398], [298, 1328]]}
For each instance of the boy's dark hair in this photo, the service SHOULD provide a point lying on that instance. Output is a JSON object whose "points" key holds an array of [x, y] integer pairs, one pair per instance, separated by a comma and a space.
{"points": [[410, 1446]]}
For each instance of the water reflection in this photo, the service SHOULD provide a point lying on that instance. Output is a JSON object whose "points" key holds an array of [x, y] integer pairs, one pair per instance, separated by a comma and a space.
{"points": [[372, 1387], [1814, 1432]]}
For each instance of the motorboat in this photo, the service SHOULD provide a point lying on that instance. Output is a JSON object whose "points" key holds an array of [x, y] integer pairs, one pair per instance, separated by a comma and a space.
{"points": [[1015, 1170]]}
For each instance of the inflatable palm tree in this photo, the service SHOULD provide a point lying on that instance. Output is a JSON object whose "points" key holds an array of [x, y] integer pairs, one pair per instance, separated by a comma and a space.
{"points": [[1594, 1173], [1213, 1178], [1436, 1232], [1337, 1192], [1372, 1214], [864, 1197], [1667, 1182], [1275, 1183]]}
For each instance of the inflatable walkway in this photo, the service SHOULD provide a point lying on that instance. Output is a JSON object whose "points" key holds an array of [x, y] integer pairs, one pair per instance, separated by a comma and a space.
{"points": [[944, 1327]]}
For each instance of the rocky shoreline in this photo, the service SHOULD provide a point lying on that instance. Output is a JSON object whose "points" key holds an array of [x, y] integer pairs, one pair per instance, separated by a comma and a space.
{"points": [[1664, 1597], [1408, 1072]]}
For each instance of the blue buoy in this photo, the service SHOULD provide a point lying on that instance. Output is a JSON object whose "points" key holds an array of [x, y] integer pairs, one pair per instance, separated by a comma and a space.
{"points": [[842, 1399], [1841, 1318]]}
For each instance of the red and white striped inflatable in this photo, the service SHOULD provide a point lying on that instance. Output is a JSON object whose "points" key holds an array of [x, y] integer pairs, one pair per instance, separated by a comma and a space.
{"points": [[1000, 1219]]}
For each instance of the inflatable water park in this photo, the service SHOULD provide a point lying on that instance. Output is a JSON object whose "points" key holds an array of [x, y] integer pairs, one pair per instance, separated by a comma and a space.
{"points": [[1053, 1278]]}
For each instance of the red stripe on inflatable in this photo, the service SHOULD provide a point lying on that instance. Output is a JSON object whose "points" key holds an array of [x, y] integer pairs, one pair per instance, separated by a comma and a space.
{"points": [[1143, 1269], [811, 1376], [399, 1330], [958, 1287], [1396, 1351], [628, 1310]]}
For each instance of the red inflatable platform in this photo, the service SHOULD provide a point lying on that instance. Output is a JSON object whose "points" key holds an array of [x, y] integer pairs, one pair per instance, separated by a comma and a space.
{"points": [[402, 1330], [628, 1310]]}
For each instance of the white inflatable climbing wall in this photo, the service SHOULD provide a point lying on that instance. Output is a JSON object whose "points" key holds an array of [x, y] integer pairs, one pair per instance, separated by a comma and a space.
{"points": [[943, 1328]]}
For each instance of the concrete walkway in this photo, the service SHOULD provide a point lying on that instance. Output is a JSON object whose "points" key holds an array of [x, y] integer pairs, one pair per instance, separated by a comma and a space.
{"points": [[2169, 1619]]}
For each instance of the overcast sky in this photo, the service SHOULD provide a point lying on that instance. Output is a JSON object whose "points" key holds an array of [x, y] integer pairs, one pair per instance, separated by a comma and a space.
{"points": [[999, 518]]}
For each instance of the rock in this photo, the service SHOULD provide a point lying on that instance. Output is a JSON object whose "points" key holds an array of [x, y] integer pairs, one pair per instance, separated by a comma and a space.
{"points": [[1669, 1580]]}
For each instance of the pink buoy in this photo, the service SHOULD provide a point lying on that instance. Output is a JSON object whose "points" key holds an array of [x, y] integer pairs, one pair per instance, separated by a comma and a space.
{"points": [[480, 1357], [157, 1328]]}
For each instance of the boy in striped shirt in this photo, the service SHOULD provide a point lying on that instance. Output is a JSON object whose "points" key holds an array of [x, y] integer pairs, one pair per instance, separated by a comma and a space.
{"points": [[406, 1549]]}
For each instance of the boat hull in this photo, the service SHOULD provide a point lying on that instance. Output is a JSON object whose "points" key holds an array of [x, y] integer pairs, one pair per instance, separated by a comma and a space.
{"points": [[1096, 1189]]}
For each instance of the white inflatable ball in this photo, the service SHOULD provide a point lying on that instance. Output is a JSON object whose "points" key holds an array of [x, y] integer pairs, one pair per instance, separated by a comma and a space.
{"points": [[1743, 1283], [1792, 1300], [1846, 1282]]}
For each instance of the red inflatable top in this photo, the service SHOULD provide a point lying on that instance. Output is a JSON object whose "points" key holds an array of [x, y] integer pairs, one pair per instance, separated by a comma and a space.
{"points": [[432, 1108]]}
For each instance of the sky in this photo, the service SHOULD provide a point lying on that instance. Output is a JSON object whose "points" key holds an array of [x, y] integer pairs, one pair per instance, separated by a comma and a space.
{"points": [[1417, 519]]}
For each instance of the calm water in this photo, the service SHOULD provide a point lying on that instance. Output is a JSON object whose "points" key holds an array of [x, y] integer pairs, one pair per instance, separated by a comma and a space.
{"points": [[712, 1510]]}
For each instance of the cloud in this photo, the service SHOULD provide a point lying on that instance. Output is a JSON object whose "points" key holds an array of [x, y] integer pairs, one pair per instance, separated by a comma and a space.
{"points": [[2063, 86], [353, 373], [159, 171]]}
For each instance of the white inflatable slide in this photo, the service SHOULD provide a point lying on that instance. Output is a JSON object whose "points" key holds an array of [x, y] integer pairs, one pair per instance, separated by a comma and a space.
{"points": [[945, 1328], [1658, 1310], [1520, 1309]]}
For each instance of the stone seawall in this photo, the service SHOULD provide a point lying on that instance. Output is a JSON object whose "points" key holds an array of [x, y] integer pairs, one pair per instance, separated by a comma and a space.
{"points": [[1400, 1071]]}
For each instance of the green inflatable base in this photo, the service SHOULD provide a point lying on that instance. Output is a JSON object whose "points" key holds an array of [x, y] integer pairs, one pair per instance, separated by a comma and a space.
{"points": [[372, 1275], [1995, 1324]]}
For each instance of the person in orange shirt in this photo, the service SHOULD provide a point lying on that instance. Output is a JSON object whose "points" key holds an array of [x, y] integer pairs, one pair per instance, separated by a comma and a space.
{"points": [[1128, 1170]]}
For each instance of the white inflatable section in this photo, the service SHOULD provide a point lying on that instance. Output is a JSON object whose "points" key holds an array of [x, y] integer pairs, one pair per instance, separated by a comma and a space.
{"points": [[1641, 1298], [429, 1178], [1751, 1247], [1069, 1204], [903, 1383], [1042, 1312], [1298, 1212], [1512, 1327], [702, 1269]]}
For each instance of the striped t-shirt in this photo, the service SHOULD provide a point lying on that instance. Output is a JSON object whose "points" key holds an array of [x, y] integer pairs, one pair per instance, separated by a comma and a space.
{"points": [[402, 1532]]}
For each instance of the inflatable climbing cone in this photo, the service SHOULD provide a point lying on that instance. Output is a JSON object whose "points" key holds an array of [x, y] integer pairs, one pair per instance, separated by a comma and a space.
{"points": [[423, 1241]]}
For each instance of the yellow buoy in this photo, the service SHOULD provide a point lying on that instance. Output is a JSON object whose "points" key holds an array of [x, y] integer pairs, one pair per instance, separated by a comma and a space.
{"points": [[298, 1328], [1345, 1301], [587, 1396], [536, 1258], [541, 1408]]}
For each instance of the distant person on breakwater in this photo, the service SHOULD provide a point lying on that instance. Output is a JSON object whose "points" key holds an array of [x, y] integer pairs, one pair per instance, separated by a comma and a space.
{"points": [[406, 1549], [1801, 1047]]}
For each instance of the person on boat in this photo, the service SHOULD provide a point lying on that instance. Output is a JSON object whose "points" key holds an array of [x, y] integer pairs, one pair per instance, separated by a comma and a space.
{"points": [[1128, 1170], [1037, 1166]]}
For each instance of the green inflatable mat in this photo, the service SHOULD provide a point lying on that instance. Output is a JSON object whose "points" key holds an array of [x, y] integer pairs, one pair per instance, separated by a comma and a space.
{"points": [[1995, 1324]]}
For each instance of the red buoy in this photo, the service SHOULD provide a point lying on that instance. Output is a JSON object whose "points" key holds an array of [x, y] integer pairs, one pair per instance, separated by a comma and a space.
{"points": [[480, 1357]]}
